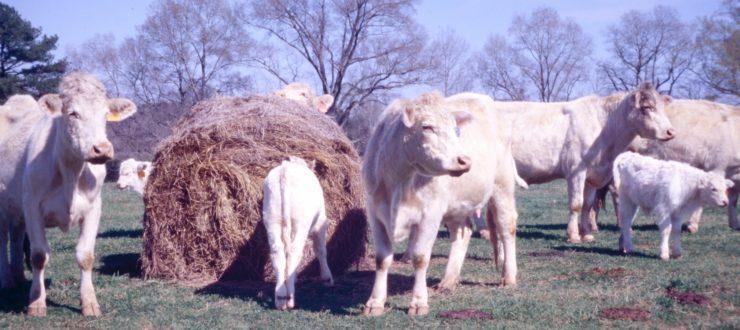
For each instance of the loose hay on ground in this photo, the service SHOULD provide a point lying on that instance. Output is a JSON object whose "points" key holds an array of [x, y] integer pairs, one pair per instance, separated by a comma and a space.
{"points": [[203, 201]]}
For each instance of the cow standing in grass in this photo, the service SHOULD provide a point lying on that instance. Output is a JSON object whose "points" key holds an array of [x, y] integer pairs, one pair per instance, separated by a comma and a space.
{"points": [[133, 174], [578, 141], [53, 171], [669, 189], [430, 161], [292, 209]]}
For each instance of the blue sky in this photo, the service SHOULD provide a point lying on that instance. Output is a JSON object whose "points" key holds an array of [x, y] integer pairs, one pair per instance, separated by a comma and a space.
{"points": [[75, 21]]}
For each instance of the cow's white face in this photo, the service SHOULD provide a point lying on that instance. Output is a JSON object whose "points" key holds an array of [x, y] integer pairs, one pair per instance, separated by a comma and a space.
{"points": [[432, 137], [714, 188], [83, 123], [303, 94], [133, 174], [648, 114]]}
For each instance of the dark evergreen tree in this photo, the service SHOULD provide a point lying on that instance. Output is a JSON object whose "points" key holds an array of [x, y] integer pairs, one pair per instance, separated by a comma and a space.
{"points": [[26, 62]]}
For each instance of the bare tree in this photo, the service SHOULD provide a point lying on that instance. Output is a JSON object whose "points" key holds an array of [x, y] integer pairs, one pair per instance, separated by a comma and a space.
{"points": [[100, 55], [650, 46], [497, 72], [718, 55], [354, 48], [449, 68]]}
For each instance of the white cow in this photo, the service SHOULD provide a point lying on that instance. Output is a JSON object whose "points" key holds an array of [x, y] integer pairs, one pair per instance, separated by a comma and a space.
{"points": [[430, 161], [134, 174], [292, 208], [51, 176], [579, 139], [669, 189], [303, 94]]}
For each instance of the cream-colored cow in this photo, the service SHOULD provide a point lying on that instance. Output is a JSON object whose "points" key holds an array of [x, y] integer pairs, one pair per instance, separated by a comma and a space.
{"points": [[51, 176], [303, 94], [433, 160], [133, 174]]}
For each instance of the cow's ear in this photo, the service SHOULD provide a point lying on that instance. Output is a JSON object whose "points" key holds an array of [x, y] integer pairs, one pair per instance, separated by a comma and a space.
{"points": [[729, 183], [51, 103], [462, 117], [409, 115], [120, 109], [324, 102]]}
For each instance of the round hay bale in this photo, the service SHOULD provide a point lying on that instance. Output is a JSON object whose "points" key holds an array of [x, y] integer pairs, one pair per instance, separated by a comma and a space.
{"points": [[203, 219]]}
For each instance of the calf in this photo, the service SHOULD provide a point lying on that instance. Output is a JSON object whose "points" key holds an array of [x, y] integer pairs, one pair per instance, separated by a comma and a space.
{"points": [[303, 94], [669, 189], [293, 208], [134, 174], [51, 176]]}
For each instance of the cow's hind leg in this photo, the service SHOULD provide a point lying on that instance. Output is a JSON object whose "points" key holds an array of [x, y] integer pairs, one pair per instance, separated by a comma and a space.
{"points": [[6, 280], [278, 259], [505, 219], [626, 214], [676, 237], [17, 238], [460, 233], [575, 200], [295, 254], [732, 208], [694, 220], [375, 305], [85, 253], [39, 259], [589, 202], [319, 247]]}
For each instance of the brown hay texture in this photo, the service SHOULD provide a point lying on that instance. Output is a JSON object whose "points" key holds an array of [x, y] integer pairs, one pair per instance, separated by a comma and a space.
{"points": [[203, 219]]}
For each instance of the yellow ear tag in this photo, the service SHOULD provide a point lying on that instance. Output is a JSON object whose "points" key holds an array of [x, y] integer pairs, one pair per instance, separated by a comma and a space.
{"points": [[113, 116], [141, 174]]}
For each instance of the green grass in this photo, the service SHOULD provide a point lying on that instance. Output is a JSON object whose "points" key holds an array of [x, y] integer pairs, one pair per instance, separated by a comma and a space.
{"points": [[562, 290]]}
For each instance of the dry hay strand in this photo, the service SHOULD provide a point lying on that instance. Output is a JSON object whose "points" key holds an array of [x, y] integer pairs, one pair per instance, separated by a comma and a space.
{"points": [[203, 219]]}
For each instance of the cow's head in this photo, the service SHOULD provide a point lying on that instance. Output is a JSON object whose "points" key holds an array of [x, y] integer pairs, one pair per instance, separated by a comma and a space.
{"points": [[303, 94], [713, 189], [133, 174], [85, 109], [647, 114], [431, 140]]}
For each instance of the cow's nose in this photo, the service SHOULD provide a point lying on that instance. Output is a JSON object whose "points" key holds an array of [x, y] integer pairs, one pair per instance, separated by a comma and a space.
{"points": [[725, 203], [671, 133], [101, 152], [464, 161]]}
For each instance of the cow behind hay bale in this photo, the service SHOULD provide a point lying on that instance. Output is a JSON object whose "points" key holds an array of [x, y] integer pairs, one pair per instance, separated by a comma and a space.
{"points": [[203, 201]]}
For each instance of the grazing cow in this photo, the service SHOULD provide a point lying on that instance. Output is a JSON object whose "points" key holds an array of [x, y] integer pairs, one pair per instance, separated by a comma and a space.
{"points": [[709, 139], [292, 208], [669, 189], [134, 174], [434, 160], [51, 176], [578, 140], [303, 94]]}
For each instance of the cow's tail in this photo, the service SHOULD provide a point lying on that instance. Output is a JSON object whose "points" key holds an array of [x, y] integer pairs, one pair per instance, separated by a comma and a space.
{"points": [[519, 181], [285, 213]]}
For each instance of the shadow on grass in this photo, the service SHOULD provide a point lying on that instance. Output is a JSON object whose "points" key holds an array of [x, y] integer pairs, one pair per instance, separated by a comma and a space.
{"points": [[121, 264], [122, 233], [349, 292], [600, 250], [537, 235], [15, 300], [549, 226]]}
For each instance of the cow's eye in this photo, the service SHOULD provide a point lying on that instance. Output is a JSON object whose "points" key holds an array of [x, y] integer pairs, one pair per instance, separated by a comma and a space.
{"points": [[74, 114], [428, 128]]}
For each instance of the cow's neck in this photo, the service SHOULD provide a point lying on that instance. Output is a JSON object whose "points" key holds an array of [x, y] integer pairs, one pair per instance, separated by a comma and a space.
{"points": [[614, 139]]}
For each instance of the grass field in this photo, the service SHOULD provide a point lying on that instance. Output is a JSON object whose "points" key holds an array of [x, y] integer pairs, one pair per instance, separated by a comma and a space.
{"points": [[561, 285]]}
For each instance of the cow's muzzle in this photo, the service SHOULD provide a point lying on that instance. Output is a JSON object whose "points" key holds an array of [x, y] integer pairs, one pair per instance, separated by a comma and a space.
{"points": [[463, 166], [100, 153]]}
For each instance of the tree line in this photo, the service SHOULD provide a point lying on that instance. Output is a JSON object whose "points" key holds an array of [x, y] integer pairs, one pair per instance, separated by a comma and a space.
{"points": [[364, 52]]}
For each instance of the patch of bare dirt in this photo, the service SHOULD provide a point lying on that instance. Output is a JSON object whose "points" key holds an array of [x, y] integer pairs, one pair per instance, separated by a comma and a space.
{"points": [[687, 297], [625, 313], [466, 314]]}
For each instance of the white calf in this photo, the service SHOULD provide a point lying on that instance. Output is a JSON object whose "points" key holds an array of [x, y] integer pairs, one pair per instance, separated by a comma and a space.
{"points": [[134, 174], [293, 208], [670, 189]]}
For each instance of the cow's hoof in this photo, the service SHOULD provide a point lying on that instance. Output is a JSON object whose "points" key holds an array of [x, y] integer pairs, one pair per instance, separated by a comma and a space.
{"points": [[508, 282], [373, 310], [677, 256], [692, 228], [588, 238], [291, 302], [91, 309], [418, 310], [574, 240], [36, 310], [664, 257]]}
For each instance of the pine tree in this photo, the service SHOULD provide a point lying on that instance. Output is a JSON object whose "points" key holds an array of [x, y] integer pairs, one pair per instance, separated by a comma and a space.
{"points": [[26, 62]]}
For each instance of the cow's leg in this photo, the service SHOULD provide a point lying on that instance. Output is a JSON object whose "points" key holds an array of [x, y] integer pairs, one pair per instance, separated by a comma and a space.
{"points": [[319, 247], [39, 258], [694, 220], [85, 253], [732, 208], [497, 240], [6, 280], [589, 197], [627, 212], [409, 246], [460, 233], [505, 221], [383, 261], [295, 254], [664, 227], [676, 237], [278, 259], [426, 235], [17, 237], [575, 200]]}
